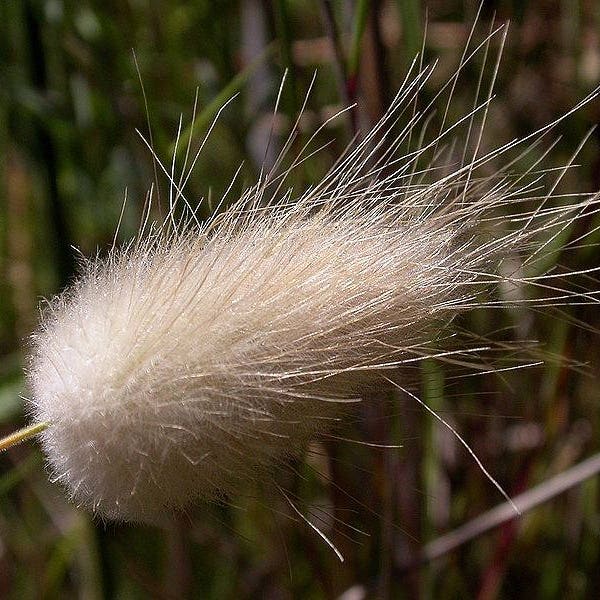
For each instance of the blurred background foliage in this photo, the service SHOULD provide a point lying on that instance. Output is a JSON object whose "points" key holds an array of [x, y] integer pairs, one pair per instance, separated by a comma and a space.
{"points": [[71, 99]]}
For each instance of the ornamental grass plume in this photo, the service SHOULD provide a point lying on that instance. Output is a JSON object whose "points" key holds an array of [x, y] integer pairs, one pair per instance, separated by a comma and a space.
{"points": [[197, 360]]}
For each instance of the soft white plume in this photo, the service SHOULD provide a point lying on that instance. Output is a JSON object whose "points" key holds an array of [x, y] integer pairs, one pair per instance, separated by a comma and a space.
{"points": [[200, 358]]}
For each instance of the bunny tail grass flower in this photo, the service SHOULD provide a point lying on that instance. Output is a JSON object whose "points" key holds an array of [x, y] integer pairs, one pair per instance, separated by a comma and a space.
{"points": [[200, 358]]}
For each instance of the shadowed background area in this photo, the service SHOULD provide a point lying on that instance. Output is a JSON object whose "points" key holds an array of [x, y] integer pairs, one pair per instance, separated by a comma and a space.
{"points": [[78, 79]]}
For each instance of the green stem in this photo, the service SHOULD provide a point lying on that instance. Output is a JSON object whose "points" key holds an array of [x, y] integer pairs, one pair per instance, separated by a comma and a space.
{"points": [[22, 435], [360, 23], [410, 15]]}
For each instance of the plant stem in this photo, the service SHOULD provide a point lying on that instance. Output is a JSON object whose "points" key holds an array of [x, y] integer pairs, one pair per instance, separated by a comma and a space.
{"points": [[22, 435]]}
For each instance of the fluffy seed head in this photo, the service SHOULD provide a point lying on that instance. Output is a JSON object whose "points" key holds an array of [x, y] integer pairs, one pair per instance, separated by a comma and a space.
{"points": [[201, 358], [184, 367]]}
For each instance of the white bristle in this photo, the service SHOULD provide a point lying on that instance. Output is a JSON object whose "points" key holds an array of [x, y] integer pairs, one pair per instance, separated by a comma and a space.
{"points": [[199, 359]]}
